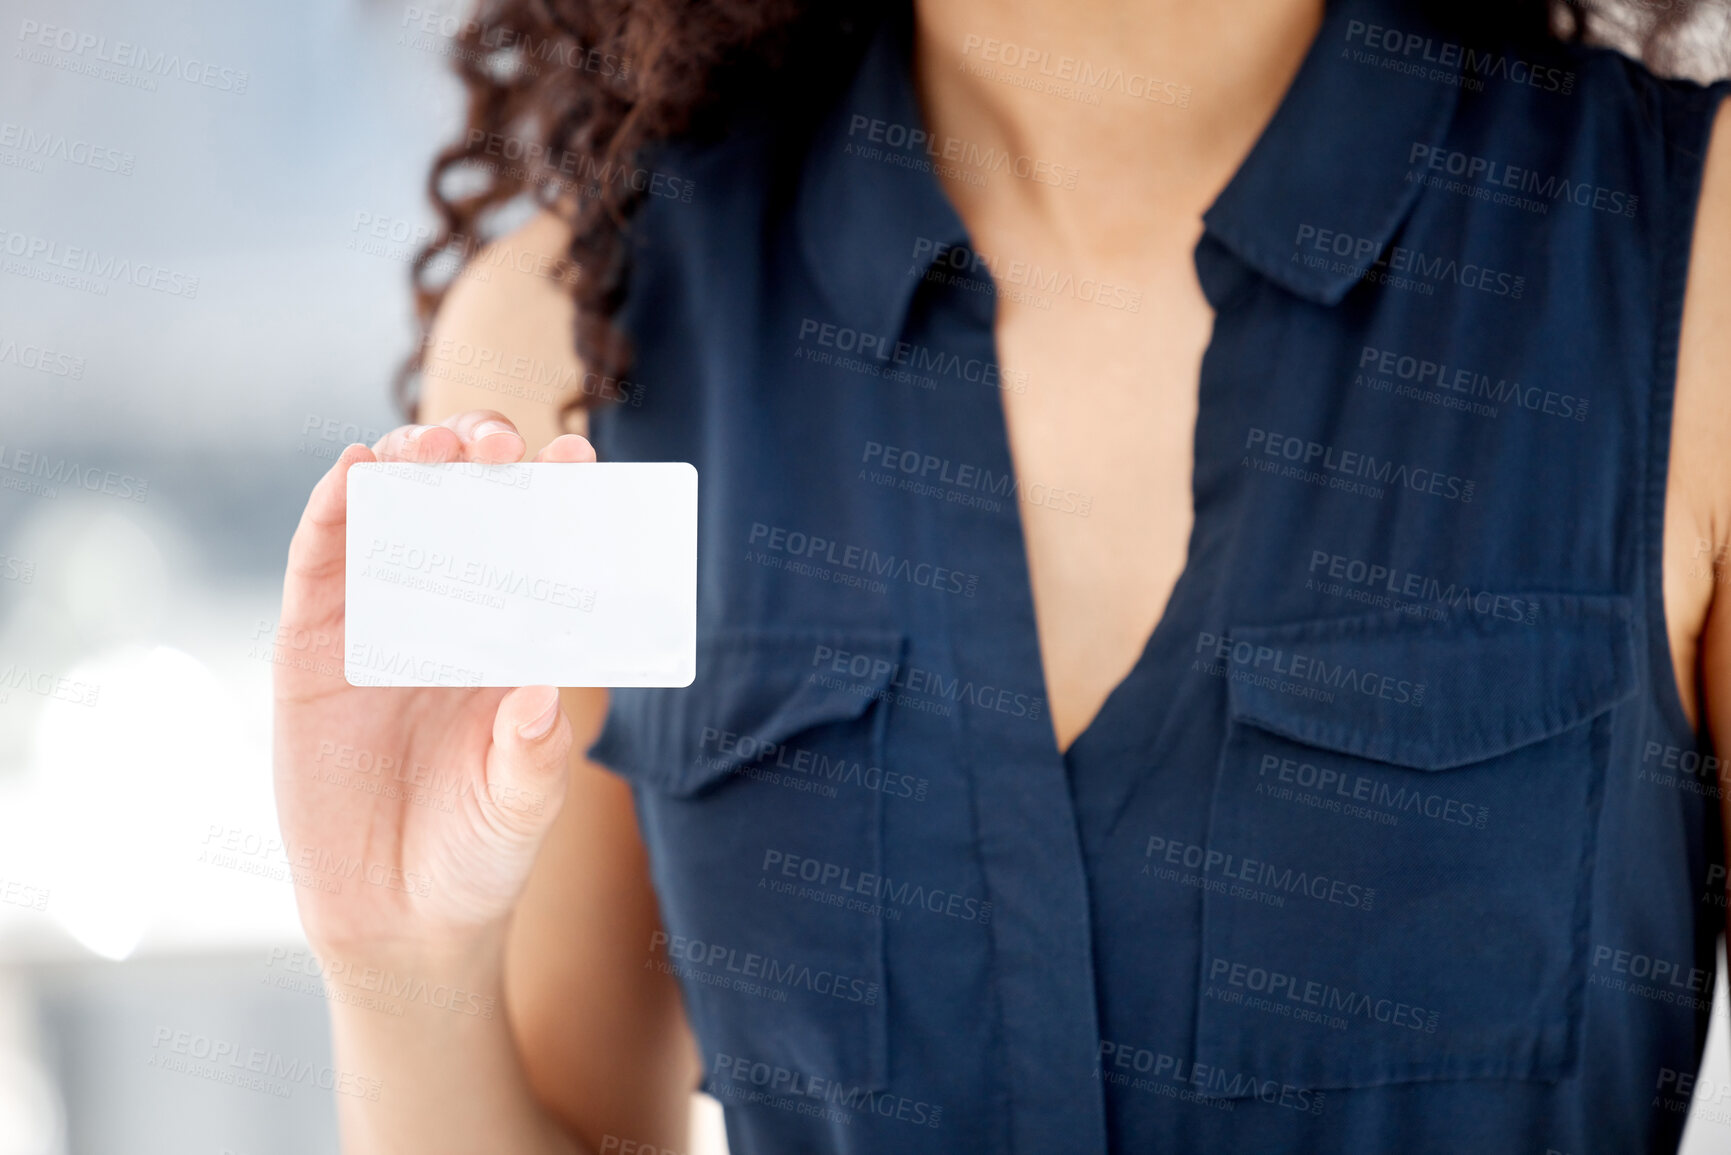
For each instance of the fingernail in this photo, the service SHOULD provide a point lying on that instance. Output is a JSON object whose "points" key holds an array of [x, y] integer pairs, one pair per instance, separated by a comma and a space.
{"points": [[488, 428], [414, 433], [529, 731]]}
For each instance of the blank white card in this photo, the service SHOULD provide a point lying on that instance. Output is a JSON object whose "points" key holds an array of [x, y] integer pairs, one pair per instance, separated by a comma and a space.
{"points": [[516, 575]]}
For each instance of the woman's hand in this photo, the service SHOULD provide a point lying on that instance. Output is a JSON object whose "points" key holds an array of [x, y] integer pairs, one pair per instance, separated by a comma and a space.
{"points": [[410, 815]]}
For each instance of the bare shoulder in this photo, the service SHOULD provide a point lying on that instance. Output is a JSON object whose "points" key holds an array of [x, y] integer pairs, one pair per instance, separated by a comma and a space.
{"points": [[503, 336], [1698, 505]]}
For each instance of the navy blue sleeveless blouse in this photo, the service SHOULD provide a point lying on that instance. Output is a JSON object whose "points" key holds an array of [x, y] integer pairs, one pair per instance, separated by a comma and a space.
{"points": [[1396, 838]]}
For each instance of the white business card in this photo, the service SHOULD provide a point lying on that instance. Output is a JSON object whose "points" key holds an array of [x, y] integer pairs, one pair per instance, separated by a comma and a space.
{"points": [[514, 575]]}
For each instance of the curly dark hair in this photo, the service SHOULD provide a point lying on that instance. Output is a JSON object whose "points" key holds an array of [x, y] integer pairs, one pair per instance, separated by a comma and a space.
{"points": [[582, 88]]}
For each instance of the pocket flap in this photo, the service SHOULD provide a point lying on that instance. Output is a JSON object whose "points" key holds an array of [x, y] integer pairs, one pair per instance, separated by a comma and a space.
{"points": [[754, 690], [1433, 695]]}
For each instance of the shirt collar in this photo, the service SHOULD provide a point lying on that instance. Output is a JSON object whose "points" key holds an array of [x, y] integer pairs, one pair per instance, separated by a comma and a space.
{"points": [[872, 213], [1334, 156]]}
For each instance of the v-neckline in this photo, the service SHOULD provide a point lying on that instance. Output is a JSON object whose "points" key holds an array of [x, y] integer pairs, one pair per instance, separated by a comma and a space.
{"points": [[1164, 621]]}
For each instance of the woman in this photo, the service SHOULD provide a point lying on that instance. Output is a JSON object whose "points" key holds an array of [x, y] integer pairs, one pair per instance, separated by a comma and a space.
{"points": [[1209, 557]]}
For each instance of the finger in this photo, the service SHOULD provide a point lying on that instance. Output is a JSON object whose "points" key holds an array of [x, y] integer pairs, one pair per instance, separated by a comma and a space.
{"points": [[317, 549], [527, 765], [310, 625], [487, 436], [567, 447], [423, 443]]}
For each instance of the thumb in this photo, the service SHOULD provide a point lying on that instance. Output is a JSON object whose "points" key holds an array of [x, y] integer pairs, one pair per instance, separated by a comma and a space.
{"points": [[527, 766]]}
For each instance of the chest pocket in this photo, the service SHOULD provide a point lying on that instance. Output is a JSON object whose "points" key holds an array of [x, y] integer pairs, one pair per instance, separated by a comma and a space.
{"points": [[760, 792], [1398, 870]]}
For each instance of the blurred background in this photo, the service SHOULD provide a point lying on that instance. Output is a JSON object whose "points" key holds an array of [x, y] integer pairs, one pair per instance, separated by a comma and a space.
{"points": [[244, 237]]}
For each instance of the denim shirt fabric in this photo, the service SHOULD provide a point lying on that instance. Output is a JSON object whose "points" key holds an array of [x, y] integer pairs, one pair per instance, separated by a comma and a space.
{"points": [[1395, 838]]}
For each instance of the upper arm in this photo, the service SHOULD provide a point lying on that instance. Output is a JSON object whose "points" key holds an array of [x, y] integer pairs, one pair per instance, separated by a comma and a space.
{"points": [[503, 337], [601, 1033], [1698, 509]]}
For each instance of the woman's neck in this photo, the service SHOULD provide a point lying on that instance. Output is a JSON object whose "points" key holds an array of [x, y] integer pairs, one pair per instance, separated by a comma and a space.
{"points": [[1149, 104]]}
